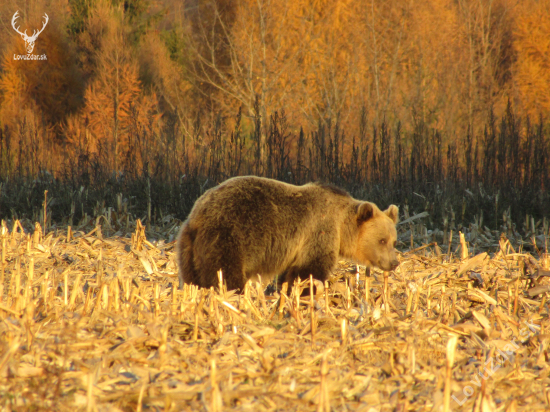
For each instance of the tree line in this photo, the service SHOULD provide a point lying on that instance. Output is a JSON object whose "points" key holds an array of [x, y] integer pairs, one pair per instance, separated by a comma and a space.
{"points": [[383, 98]]}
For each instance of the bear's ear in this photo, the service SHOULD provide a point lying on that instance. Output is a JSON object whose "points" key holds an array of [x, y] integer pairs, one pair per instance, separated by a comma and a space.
{"points": [[364, 212], [393, 213]]}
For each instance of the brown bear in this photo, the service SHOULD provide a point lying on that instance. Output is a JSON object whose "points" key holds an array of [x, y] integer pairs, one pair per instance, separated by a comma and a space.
{"points": [[252, 225]]}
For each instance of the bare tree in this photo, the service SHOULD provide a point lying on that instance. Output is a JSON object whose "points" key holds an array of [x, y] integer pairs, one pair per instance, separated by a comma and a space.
{"points": [[245, 54]]}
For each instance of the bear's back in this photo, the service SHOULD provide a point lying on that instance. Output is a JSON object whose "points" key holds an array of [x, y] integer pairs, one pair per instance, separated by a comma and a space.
{"points": [[266, 203]]}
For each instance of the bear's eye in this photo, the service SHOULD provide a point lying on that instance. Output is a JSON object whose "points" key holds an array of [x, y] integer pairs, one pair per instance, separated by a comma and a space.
{"points": [[382, 241]]}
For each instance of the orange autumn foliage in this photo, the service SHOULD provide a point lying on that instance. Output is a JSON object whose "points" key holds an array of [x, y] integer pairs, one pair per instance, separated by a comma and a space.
{"points": [[532, 65], [115, 83]]}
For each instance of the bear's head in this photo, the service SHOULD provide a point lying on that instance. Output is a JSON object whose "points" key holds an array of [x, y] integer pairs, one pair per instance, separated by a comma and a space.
{"points": [[377, 236]]}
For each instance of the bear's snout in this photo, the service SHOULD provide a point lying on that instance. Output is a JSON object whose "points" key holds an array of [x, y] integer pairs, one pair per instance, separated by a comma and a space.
{"points": [[394, 263]]}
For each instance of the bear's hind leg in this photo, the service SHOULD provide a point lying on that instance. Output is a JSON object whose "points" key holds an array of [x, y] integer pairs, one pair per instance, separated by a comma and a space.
{"points": [[232, 273], [185, 257]]}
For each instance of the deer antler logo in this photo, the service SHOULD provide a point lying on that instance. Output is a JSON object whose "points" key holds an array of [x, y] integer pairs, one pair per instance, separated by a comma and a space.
{"points": [[29, 41]]}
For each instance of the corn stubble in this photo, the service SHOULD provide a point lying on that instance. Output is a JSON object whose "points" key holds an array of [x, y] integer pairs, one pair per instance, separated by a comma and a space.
{"points": [[92, 320]]}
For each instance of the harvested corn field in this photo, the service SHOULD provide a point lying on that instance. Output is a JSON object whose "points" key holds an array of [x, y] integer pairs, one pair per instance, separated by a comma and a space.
{"points": [[92, 320]]}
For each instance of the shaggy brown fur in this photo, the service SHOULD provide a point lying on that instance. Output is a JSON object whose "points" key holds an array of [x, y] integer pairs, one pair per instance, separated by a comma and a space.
{"points": [[251, 225]]}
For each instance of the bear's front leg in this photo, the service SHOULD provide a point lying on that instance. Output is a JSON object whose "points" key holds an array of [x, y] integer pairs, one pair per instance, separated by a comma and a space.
{"points": [[319, 266]]}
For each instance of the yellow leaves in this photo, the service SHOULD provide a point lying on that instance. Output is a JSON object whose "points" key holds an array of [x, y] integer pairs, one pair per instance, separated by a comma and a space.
{"points": [[12, 89], [532, 67], [115, 102], [315, 58], [115, 89], [532, 31]]}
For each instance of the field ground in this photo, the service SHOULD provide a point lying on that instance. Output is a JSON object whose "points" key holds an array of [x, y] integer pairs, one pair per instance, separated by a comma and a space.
{"points": [[91, 321]]}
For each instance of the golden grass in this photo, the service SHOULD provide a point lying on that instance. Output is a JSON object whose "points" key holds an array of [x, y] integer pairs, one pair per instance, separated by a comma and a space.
{"points": [[92, 321]]}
